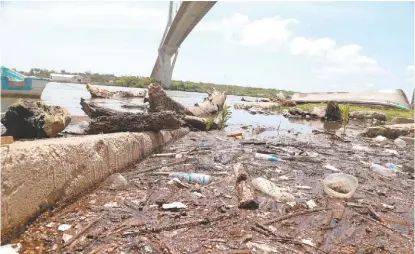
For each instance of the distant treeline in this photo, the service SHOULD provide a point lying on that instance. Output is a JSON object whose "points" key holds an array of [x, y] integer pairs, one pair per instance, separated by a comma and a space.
{"points": [[143, 82]]}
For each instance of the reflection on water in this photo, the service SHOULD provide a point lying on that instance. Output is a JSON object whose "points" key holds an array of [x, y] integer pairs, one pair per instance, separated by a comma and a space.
{"points": [[69, 96]]}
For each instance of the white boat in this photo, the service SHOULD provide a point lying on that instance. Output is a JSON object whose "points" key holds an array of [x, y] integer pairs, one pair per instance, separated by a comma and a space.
{"points": [[14, 84], [387, 97]]}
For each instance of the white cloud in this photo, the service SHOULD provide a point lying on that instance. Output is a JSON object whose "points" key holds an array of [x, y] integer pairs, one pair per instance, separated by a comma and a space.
{"points": [[336, 60], [238, 28], [410, 68]]}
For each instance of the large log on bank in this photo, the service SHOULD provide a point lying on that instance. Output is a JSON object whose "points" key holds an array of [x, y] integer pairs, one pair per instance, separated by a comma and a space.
{"points": [[102, 93], [196, 116], [211, 105], [244, 191], [108, 120]]}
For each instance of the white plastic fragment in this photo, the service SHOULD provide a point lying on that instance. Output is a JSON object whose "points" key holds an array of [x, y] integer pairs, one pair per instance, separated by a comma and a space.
{"points": [[64, 227], [399, 143], [10, 248], [308, 241], [51, 225], [111, 204], [330, 167], [303, 187], [380, 139], [66, 237], [311, 204], [174, 205], [388, 206]]}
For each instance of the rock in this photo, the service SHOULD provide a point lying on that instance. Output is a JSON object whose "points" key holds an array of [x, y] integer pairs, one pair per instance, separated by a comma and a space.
{"points": [[400, 120], [116, 182], [34, 119], [333, 112], [318, 112], [311, 204], [390, 131], [295, 111], [381, 116]]}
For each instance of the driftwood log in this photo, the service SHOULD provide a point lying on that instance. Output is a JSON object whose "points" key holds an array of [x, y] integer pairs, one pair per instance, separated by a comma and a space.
{"points": [[108, 121], [196, 116], [245, 192], [102, 93]]}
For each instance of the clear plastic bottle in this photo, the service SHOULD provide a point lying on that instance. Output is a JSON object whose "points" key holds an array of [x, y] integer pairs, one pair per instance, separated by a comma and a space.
{"points": [[389, 172], [192, 177], [266, 157]]}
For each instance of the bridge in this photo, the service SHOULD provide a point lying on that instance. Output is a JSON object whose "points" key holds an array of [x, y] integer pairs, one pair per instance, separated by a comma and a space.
{"points": [[178, 28]]}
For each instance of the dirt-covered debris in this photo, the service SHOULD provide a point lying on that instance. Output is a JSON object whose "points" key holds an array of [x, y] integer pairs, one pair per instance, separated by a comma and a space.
{"points": [[209, 215]]}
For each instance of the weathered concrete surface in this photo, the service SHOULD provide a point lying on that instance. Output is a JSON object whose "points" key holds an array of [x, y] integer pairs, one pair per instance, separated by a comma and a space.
{"points": [[37, 174], [390, 131]]}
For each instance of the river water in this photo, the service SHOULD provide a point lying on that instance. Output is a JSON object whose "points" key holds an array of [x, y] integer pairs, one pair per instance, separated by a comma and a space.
{"points": [[69, 96]]}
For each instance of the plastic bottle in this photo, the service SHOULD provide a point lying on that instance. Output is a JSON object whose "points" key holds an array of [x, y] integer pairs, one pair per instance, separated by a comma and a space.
{"points": [[204, 144], [266, 157], [389, 172], [192, 177], [392, 166], [399, 143], [272, 190]]}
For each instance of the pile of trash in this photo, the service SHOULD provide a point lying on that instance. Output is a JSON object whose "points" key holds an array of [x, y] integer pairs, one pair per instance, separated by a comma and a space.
{"points": [[213, 193]]}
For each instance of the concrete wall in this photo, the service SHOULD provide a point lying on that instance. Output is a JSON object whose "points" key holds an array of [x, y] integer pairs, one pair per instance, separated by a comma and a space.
{"points": [[37, 174]]}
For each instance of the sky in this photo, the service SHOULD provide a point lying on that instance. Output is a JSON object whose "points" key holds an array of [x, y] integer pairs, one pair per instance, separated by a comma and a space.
{"points": [[299, 46]]}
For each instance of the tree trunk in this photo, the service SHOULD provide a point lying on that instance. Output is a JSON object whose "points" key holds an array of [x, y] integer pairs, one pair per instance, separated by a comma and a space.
{"points": [[109, 121], [245, 192], [102, 93], [333, 112], [159, 101], [196, 116]]}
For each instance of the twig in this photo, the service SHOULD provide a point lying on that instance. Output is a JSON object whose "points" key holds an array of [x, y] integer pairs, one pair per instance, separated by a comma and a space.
{"points": [[288, 216], [73, 239], [179, 225], [330, 133], [382, 224], [283, 239], [253, 142], [234, 157], [157, 167]]}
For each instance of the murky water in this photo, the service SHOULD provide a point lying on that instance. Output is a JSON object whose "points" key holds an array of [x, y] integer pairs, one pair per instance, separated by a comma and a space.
{"points": [[69, 96]]}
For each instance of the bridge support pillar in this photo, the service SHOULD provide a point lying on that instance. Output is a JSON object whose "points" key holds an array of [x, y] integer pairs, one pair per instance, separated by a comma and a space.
{"points": [[164, 71]]}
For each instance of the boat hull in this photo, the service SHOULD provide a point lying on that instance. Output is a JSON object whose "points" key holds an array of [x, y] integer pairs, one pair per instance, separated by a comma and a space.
{"points": [[30, 87], [389, 97]]}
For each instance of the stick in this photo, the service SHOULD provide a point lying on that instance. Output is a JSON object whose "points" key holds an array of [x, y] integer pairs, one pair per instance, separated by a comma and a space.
{"points": [[244, 192], [253, 142], [164, 155], [73, 239], [386, 226], [157, 167], [180, 225], [288, 216]]}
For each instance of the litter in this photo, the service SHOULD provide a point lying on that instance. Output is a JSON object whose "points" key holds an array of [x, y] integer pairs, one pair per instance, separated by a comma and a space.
{"points": [[330, 167], [340, 185], [192, 177], [267, 157], [311, 204], [399, 143], [388, 172], [272, 190], [64, 227], [380, 139], [174, 205]]}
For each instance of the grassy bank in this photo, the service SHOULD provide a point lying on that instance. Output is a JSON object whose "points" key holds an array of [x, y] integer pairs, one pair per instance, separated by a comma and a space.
{"points": [[143, 82], [390, 112]]}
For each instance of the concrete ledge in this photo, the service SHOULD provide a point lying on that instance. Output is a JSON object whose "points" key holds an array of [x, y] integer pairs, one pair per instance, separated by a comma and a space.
{"points": [[37, 174]]}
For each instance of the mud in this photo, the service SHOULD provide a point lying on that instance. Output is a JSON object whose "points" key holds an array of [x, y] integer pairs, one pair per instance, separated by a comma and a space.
{"points": [[133, 220]]}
